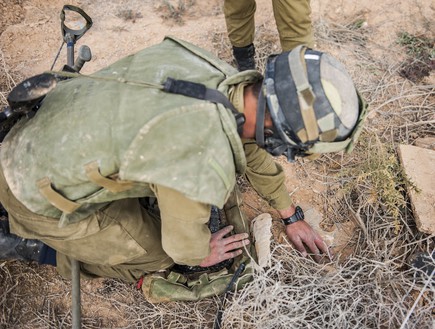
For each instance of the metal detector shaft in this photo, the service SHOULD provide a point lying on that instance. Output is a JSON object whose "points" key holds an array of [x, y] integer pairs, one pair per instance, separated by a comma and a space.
{"points": [[75, 268], [70, 37], [76, 303], [70, 50]]}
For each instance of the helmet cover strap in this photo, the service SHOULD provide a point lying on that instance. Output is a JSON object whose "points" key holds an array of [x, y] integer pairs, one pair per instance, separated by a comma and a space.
{"points": [[259, 123], [305, 93]]}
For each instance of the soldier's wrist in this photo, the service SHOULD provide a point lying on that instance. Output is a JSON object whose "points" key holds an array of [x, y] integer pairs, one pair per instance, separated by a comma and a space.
{"points": [[297, 216]]}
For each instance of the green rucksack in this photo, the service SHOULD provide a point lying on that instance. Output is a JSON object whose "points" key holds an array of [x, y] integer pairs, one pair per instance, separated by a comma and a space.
{"points": [[95, 138]]}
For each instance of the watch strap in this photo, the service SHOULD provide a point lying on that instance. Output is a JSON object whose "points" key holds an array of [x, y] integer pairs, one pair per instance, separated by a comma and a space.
{"points": [[297, 216]]}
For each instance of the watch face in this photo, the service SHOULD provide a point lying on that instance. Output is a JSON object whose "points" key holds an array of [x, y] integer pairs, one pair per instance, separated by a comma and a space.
{"points": [[299, 213], [297, 216]]}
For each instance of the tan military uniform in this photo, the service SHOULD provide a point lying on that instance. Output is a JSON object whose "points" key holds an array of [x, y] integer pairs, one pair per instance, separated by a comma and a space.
{"points": [[292, 20], [72, 176]]}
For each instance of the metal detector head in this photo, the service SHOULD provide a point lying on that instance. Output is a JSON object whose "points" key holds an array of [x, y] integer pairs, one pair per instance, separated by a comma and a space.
{"points": [[30, 92], [77, 23]]}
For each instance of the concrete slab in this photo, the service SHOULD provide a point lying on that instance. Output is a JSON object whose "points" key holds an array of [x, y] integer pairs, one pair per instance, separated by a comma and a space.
{"points": [[419, 166]]}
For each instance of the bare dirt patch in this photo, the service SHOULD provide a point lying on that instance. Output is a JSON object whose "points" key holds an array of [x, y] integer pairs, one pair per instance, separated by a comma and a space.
{"points": [[12, 13]]}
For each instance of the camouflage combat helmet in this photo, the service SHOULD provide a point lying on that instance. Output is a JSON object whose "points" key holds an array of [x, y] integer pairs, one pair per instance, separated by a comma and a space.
{"points": [[312, 102]]}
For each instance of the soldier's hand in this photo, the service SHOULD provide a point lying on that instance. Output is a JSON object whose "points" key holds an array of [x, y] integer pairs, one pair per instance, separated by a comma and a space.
{"points": [[302, 236], [223, 248]]}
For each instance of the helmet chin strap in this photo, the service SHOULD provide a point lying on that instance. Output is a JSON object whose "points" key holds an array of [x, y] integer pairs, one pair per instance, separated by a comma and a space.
{"points": [[259, 123], [273, 144], [284, 149]]}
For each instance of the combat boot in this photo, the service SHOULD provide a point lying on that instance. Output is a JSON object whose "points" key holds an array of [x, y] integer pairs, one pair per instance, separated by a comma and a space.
{"points": [[14, 247], [245, 57]]}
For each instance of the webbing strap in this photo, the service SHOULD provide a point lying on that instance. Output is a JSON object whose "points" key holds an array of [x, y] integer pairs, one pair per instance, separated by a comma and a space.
{"points": [[329, 136], [56, 199], [200, 91], [261, 113], [115, 186], [306, 96]]}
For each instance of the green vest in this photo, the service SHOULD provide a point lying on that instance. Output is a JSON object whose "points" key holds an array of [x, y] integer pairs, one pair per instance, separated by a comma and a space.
{"points": [[109, 136]]}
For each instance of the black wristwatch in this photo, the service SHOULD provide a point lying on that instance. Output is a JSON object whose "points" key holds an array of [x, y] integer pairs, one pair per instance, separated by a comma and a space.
{"points": [[296, 217]]}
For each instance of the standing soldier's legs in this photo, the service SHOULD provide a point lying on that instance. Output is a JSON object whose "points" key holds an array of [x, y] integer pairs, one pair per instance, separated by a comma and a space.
{"points": [[293, 20], [239, 17]]}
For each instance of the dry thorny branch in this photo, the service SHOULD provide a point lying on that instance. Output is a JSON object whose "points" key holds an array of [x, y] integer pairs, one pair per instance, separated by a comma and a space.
{"points": [[6, 80]]}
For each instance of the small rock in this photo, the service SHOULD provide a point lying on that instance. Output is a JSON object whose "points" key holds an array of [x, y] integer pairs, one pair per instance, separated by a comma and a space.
{"points": [[426, 142]]}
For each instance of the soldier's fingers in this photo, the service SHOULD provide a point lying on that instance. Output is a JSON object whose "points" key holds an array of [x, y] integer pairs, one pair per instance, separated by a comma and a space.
{"points": [[315, 251], [236, 237], [221, 233], [237, 245], [312, 247], [322, 246], [325, 249], [300, 246], [231, 254]]}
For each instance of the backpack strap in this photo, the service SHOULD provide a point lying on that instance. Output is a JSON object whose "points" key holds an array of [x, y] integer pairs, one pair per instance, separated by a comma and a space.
{"points": [[200, 91], [55, 198], [115, 186]]}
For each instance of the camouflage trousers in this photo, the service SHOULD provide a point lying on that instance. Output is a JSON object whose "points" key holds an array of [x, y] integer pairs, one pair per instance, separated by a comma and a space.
{"points": [[121, 240], [105, 245], [292, 19]]}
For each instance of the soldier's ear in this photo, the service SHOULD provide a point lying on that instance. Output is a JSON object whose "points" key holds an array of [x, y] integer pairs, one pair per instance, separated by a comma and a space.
{"points": [[268, 123]]}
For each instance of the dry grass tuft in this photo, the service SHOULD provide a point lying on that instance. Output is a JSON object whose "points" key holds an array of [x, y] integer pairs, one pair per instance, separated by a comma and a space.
{"points": [[174, 11], [374, 177], [222, 46], [352, 31], [129, 15], [421, 56], [7, 80], [266, 44], [359, 293]]}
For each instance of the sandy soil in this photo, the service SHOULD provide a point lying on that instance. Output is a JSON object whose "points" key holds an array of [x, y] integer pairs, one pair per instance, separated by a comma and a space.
{"points": [[31, 35]]}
